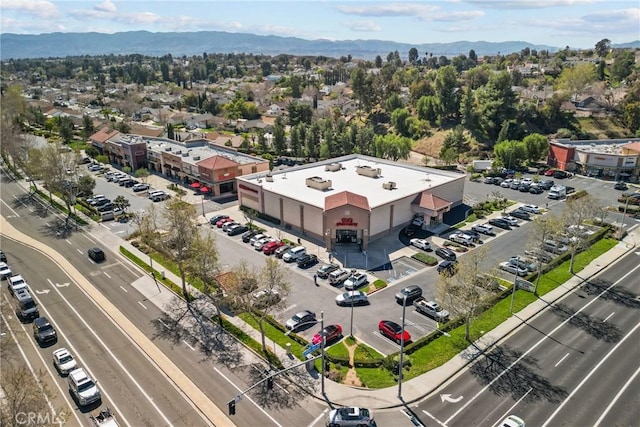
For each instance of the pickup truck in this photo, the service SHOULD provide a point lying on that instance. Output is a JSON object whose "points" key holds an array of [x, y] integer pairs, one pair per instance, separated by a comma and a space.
{"points": [[350, 416], [104, 419]]}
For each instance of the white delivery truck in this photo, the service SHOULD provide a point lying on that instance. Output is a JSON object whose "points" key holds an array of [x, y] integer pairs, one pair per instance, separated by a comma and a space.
{"points": [[557, 192]]}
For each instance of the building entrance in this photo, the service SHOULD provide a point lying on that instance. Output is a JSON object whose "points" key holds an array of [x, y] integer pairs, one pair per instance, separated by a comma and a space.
{"points": [[346, 236]]}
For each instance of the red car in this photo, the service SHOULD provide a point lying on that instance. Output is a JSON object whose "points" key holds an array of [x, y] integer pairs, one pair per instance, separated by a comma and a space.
{"points": [[393, 331], [550, 172], [271, 247], [220, 223], [330, 332]]}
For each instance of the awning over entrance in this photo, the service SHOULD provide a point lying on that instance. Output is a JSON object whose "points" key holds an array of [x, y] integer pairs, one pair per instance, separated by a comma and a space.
{"points": [[431, 204], [205, 189], [195, 185]]}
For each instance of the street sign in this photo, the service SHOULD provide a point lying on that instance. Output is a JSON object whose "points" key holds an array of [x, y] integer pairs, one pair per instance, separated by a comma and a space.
{"points": [[310, 349]]}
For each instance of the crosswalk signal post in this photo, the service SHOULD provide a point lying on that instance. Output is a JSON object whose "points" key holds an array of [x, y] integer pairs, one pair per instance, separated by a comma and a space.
{"points": [[232, 407]]}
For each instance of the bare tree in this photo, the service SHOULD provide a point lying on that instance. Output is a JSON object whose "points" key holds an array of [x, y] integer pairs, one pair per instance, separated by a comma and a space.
{"points": [[276, 287], [576, 211], [462, 293]]}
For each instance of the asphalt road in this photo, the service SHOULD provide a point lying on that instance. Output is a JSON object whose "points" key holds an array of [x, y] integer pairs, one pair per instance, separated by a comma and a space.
{"points": [[571, 365], [220, 372]]}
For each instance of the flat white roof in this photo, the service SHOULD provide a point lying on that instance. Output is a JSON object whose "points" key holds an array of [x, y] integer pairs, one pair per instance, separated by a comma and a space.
{"points": [[410, 180]]}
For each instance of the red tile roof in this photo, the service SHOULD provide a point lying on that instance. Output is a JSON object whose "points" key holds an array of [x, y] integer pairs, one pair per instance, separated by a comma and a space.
{"points": [[217, 162], [346, 198], [635, 146], [103, 134], [429, 201]]}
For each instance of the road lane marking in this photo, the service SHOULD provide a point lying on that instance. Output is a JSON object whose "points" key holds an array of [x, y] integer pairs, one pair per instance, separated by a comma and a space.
{"points": [[122, 287], [585, 379], [434, 418], [67, 240], [247, 397], [10, 208], [608, 317], [510, 410], [188, 345], [107, 274], [105, 226], [540, 341], [318, 418], [81, 254], [163, 324], [561, 360], [140, 302], [616, 397], [37, 377]]}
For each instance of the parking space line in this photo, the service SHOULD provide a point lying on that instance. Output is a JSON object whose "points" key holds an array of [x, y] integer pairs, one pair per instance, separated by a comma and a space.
{"points": [[123, 288], [143, 306]]}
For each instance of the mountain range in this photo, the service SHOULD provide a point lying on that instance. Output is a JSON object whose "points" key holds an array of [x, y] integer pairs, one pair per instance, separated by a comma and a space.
{"points": [[57, 45]]}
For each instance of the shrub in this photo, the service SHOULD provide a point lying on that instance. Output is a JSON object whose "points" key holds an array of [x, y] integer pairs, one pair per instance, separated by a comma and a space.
{"points": [[424, 258]]}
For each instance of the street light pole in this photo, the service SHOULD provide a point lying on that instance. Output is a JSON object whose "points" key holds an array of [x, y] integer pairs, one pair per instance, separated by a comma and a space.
{"points": [[351, 328], [515, 282], [623, 216], [400, 373], [202, 202], [322, 350]]}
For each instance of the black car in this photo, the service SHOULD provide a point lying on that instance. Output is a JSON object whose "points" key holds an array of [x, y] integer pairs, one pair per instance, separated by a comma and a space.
{"points": [[569, 190], [536, 189], [307, 260], [216, 218], [520, 214], [560, 174], [411, 293], [238, 230], [130, 183], [3, 257], [497, 180], [446, 254], [546, 184], [524, 188], [620, 186], [43, 331], [448, 267], [323, 272], [247, 235], [106, 207], [500, 223], [410, 230], [96, 254]]}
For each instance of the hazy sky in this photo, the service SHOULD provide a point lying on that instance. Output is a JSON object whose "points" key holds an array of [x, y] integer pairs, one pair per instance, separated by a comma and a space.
{"points": [[576, 23]]}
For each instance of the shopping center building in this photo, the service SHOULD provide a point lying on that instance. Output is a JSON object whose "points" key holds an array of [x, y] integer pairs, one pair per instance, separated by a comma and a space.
{"points": [[607, 158], [353, 199]]}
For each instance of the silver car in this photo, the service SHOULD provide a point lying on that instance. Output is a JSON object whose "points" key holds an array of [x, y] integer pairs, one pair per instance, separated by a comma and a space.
{"points": [[352, 298]]}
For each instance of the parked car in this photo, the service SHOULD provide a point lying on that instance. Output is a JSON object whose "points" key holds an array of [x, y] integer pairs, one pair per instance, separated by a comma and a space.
{"points": [[483, 228], [497, 180], [259, 244], [307, 260], [411, 293], [257, 237], [546, 184], [64, 361], [489, 180], [3, 257], [558, 174], [500, 223], [140, 187], [279, 253], [524, 188], [431, 309], [331, 333], [515, 184], [16, 282], [221, 222], [554, 247], [512, 221], [393, 331], [301, 319], [418, 221], [95, 167], [43, 331], [247, 235], [238, 229], [214, 219], [569, 189], [271, 246], [421, 244], [446, 254], [536, 189], [510, 268], [542, 256], [159, 196], [266, 297], [352, 298], [410, 230], [523, 262], [5, 271], [550, 172], [324, 271], [620, 186], [520, 214], [506, 183], [461, 238], [447, 267], [355, 281], [530, 209]]}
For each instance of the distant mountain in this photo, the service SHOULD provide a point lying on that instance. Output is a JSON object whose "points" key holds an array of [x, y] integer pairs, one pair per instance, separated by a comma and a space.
{"points": [[631, 45], [196, 43]]}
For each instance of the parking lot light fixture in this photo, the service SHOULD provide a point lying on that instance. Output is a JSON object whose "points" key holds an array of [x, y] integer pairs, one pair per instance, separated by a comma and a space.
{"points": [[515, 282]]}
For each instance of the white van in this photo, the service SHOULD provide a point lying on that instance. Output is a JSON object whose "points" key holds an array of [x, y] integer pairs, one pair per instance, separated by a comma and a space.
{"points": [[337, 277], [294, 254]]}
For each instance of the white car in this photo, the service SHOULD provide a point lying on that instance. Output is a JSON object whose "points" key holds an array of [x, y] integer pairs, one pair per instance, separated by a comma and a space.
{"points": [[512, 421], [355, 281], [260, 243], [418, 221], [483, 229], [526, 181], [506, 183], [463, 239], [512, 221], [421, 244], [64, 361], [95, 168], [531, 209], [5, 271], [507, 266]]}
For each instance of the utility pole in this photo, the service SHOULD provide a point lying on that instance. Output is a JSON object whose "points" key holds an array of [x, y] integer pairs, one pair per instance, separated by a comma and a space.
{"points": [[400, 373]]}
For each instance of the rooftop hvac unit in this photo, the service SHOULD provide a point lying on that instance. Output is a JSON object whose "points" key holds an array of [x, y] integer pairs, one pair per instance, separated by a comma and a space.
{"points": [[333, 167], [269, 178], [389, 185], [318, 183], [368, 171], [196, 157], [167, 148]]}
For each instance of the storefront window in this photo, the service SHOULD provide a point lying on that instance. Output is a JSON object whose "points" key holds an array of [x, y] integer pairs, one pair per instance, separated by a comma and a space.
{"points": [[346, 236]]}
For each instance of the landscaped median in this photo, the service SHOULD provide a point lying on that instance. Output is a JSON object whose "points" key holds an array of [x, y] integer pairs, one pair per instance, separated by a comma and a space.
{"points": [[375, 371]]}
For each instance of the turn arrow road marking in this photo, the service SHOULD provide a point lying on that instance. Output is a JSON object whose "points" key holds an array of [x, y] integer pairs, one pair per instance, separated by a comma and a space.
{"points": [[448, 398], [46, 291], [64, 285]]}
